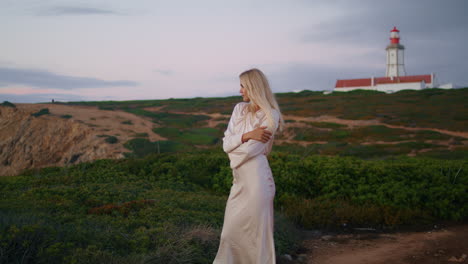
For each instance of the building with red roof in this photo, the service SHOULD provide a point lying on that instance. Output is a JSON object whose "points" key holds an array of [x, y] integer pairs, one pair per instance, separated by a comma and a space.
{"points": [[395, 79]]}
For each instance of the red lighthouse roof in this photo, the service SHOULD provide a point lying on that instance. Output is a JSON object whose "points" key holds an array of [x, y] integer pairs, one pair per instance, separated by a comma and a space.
{"points": [[395, 36], [427, 79]]}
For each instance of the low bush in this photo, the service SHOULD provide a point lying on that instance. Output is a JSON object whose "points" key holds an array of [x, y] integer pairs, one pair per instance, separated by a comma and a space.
{"points": [[142, 147], [8, 104], [111, 140], [195, 136], [43, 111], [119, 211], [128, 122], [141, 135]]}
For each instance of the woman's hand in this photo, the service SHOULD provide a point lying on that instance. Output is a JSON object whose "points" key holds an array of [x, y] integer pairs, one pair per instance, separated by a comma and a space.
{"points": [[259, 134]]}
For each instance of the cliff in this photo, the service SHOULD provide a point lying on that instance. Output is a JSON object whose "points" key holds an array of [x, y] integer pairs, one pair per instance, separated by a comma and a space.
{"points": [[68, 135]]}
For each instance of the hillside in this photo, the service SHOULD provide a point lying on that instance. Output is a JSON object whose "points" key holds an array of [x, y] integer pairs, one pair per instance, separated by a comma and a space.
{"points": [[64, 135], [364, 124], [134, 206]]}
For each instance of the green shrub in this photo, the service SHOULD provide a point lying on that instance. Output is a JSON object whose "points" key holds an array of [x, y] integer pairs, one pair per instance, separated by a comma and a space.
{"points": [[66, 116], [143, 135], [111, 140], [170, 119], [196, 136], [133, 210], [142, 147], [103, 107], [8, 104], [43, 111]]}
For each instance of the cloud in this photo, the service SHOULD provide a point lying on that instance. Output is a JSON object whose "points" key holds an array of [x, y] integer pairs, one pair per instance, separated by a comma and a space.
{"points": [[75, 10], [164, 72], [367, 21], [44, 79]]}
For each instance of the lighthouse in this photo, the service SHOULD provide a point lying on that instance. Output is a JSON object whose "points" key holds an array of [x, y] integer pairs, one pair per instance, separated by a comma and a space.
{"points": [[395, 55], [395, 79]]}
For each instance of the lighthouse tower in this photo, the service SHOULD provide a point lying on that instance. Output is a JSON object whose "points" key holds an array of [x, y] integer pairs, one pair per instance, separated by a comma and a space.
{"points": [[395, 62]]}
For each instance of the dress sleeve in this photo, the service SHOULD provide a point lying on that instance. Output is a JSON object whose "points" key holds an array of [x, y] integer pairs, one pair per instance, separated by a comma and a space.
{"points": [[231, 139], [252, 148]]}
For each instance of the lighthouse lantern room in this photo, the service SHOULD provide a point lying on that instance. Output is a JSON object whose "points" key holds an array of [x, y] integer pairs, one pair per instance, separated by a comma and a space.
{"points": [[395, 55]]}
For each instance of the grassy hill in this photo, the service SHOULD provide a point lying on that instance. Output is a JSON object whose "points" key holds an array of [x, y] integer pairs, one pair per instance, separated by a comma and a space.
{"points": [[437, 108], [343, 162], [366, 124], [168, 208]]}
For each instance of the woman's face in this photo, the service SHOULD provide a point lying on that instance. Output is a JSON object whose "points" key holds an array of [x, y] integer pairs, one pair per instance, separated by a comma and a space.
{"points": [[244, 94]]}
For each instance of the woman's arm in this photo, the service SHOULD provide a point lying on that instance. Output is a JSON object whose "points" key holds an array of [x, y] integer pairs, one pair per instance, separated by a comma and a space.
{"points": [[253, 147], [259, 134], [231, 139]]}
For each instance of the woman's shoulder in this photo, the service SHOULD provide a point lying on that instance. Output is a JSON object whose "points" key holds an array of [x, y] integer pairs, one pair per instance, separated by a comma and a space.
{"points": [[240, 107], [275, 113], [261, 114]]}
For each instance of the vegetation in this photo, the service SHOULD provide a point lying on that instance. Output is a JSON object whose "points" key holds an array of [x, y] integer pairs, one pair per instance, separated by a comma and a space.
{"points": [[431, 108], [365, 133], [160, 206], [165, 202], [118, 211], [43, 111], [435, 108], [195, 136], [66, 116], [128, 122], [111, 140], [8, 104], [142, 147], [143, 135]]}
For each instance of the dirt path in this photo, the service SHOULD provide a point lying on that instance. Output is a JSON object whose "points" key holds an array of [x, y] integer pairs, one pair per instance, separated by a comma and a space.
{"points": [[373, 122], [288, 138], [324, 118], [448, 245]]}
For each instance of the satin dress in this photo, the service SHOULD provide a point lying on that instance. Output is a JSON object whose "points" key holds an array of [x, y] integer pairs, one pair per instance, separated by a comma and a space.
{"points": [[247, 235]]}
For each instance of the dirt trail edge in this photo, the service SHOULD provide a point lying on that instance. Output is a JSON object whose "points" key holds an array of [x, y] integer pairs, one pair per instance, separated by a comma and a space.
{"points": [[449, 245]]}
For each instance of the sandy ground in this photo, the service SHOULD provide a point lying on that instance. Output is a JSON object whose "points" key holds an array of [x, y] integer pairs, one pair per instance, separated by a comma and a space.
{"points": [[447, 245], [120, 124], [216, 118]]}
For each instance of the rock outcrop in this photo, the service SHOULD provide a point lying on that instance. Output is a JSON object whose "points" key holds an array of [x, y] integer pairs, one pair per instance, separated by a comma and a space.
{"points": [[29, 142]]}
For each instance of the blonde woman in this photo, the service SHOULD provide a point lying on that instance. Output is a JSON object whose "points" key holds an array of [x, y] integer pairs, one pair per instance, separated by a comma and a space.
{"points": [[247, 235]]}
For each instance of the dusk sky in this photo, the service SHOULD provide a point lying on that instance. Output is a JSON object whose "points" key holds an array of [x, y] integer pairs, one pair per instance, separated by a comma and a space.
{"points": [[149, 49]]}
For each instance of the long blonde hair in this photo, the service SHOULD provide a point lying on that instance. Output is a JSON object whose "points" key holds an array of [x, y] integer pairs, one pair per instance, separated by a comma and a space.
{"points": [[260, 95]]}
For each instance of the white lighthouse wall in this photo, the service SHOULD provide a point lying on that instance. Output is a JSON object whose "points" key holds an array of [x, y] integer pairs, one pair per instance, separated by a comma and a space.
{"points": [[434, 82], [347, 89], [446, 86], [392, 69], [394, 87], [401, 63]]}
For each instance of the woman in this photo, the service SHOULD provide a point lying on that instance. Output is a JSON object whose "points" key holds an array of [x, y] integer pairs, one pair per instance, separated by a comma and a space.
{"points": [[247, 236]]}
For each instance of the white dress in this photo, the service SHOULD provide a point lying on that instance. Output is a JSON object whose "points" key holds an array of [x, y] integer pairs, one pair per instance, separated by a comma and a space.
{"points": [[247, 235]]}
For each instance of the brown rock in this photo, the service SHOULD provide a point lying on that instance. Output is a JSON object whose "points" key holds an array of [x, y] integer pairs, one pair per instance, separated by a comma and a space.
{"points": [[34, 142]]}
